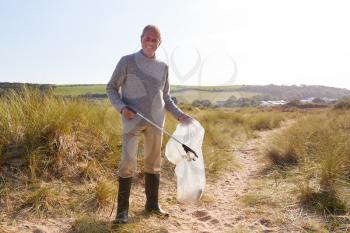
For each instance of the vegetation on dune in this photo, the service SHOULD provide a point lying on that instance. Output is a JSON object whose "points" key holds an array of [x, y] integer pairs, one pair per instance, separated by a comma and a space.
{"points": [[51, 135], [59, 156], [91, 224], [48, 144], [318, 146]]}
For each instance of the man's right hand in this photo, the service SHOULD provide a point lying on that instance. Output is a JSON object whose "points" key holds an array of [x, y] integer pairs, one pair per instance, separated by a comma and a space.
{"points": [[127, 113]]}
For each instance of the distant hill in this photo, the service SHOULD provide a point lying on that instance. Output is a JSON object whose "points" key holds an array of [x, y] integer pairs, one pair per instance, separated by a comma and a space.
{"points": [[267, 92], [5, 86], [297, 92], [188, 94]]}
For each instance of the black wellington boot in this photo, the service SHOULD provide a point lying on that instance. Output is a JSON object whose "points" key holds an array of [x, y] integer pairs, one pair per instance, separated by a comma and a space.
{"points": [[152, 188], [123, 200]]}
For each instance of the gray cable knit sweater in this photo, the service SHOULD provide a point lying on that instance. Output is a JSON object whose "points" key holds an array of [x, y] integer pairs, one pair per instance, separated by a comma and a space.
{"points": [[142, 83]]}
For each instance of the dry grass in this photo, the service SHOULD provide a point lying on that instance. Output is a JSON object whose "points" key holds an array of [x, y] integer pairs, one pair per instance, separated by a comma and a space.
{"points": [[48, 146], [265, 120], [42, 199], [58, 157], [227, 130], [105, 193], [318, 147], [91, 224], [53, 136], [273, 199]]}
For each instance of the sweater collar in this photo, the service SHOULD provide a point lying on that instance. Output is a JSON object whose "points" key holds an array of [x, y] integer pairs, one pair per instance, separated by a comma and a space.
{"points": [[143, 55]]}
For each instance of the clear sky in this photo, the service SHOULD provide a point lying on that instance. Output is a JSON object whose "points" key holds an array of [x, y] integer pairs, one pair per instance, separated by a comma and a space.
{"points": [[205, 42]]}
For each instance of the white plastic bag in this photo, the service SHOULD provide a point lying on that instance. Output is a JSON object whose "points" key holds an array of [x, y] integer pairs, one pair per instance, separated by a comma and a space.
{"points": [[190, 174]]}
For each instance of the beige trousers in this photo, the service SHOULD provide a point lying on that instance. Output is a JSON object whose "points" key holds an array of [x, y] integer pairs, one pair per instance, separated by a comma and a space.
{"points": [[152, 150]]}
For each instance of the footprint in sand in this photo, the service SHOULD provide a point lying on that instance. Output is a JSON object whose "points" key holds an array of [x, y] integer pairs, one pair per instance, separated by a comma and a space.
{"points": [[205, 218], [203, 215], [200, 213], [214, 221]]}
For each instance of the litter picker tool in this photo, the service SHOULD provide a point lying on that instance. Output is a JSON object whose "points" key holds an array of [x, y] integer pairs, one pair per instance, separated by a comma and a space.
{"points": [[186, 148]]}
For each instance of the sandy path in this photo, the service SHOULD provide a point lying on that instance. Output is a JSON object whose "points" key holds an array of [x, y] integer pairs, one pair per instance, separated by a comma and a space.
{"points": [[221, 214], [223, 211], [220, 211]]}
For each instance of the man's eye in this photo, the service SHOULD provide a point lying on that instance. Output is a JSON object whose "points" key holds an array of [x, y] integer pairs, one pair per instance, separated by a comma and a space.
{"points": [[151, 39]]}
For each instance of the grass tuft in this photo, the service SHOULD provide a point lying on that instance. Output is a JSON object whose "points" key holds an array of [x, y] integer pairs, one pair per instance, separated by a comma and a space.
{"points": [[105, 193], [90, 224], [319, 146], [44, 199]]}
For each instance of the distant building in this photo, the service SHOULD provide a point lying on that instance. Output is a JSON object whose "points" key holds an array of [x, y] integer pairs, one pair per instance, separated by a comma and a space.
{"points": [[269, 103], [325, 100], [308, 100]]}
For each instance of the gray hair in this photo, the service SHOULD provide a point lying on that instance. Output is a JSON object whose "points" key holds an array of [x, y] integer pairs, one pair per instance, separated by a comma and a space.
{"points": [[152, 28]]}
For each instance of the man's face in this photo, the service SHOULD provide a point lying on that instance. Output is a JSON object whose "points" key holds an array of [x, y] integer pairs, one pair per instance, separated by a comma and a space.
{"points": [[150, 42]]}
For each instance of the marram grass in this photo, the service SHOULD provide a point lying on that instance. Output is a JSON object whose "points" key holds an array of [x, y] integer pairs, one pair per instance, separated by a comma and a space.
{"points": [[59, 156], [319, 146]]}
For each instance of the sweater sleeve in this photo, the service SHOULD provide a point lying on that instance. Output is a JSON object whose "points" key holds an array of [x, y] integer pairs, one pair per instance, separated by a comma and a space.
{"points": [[115, 83], [169, 103]]}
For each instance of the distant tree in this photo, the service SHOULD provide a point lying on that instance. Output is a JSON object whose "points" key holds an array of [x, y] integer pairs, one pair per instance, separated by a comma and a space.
{"points": [[232, 98], [294, 103], [201, 103], [318, 101], [256, 100], [343, 104], [244, 102], [231, 101]]}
